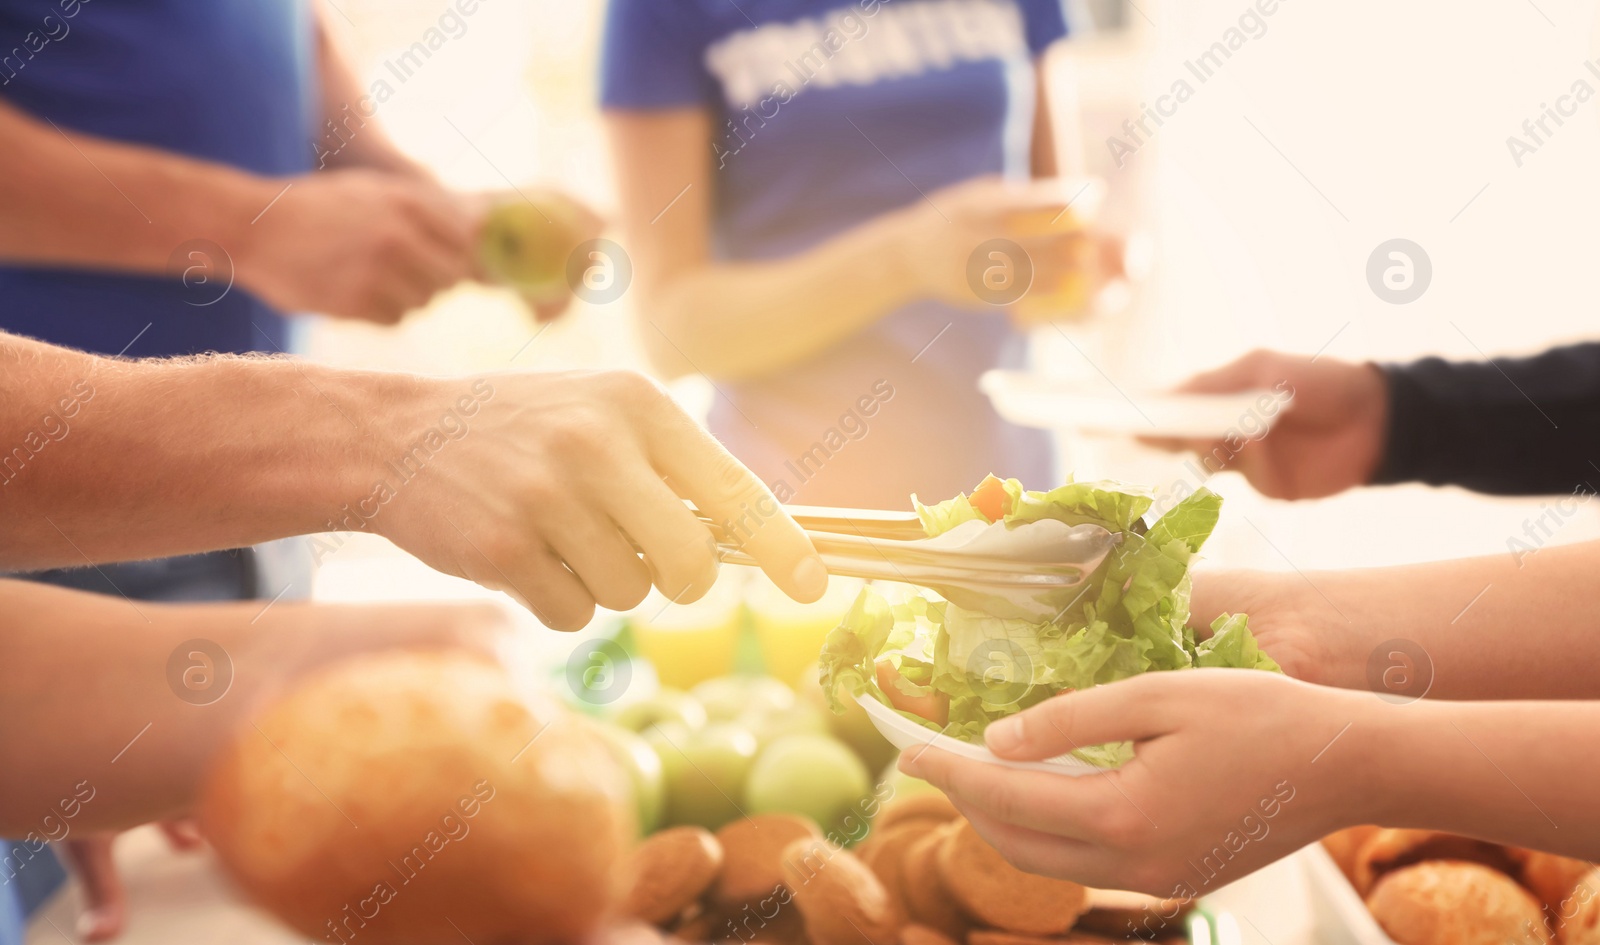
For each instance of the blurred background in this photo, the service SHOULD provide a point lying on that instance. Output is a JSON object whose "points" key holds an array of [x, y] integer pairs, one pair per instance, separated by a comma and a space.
{"points": [[1261, 198], [1255, 208]]}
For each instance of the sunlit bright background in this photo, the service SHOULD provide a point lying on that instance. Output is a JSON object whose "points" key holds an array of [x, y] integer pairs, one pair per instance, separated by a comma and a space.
{"points": [[1391, 121], [1343, 126]]}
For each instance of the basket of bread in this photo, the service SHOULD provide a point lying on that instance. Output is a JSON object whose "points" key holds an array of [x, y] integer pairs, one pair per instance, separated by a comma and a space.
{"points": [[923, 877], [1376, 886]]}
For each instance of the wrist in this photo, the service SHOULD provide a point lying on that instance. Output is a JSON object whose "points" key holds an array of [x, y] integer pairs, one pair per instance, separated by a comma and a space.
{"points": [[238, 217], [341, 430], [1372, 406], [1392, 763]]}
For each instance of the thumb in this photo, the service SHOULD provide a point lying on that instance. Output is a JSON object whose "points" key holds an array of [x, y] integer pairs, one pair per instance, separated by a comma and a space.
{"points": [[105, 901], [1130, 710]]}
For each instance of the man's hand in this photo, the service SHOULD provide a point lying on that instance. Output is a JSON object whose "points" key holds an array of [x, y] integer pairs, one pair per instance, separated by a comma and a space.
{"points": [[543, 485], [357, 244], [1222, 780], [1330, 437]]}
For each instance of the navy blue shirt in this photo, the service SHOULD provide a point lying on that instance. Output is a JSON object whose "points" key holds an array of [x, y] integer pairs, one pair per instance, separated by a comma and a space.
{"points": [[826, 114], [230, 81]]}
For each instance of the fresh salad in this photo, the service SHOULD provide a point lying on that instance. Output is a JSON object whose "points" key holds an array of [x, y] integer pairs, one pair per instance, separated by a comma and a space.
{"points": [[955, 669]]}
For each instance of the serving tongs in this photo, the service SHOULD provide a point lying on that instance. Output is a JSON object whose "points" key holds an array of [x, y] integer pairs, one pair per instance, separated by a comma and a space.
{"points": [[1024, 570]]}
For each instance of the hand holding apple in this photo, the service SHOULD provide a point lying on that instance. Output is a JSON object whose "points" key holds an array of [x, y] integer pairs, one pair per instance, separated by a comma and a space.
{"points": [[526, 240]]}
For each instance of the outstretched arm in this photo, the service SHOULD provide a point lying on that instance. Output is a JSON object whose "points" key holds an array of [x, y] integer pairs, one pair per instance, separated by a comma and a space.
{"points": [[361, 243], [538, 484], [1234, 769], [1517, 625], [102, 699], [1511, 426]]}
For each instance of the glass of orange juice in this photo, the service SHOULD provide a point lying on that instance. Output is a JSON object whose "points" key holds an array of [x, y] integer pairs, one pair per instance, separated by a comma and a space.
{"points": [[790, 634], [1064, 287], [690, 643]]}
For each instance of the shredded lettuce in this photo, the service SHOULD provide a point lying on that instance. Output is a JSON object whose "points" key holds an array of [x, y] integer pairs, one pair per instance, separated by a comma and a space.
{"points": [[1131, 617]]}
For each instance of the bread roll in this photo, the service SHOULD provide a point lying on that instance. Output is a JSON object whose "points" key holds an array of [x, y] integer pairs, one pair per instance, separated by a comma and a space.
{"points": [[412, 799], [1445, 902]]}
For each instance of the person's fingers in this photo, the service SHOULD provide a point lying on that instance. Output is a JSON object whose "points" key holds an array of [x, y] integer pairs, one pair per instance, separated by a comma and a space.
{"points": [[105, 900], [1056, 804], [1041, 853], [707, 474], [183, 834], [1131, 710], [533, 576], [602, 559], [679, 549]]}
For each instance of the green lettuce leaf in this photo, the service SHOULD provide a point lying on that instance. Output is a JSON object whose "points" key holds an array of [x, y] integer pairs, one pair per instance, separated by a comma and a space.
{"points": [[1131, 618], [1232, 645]]}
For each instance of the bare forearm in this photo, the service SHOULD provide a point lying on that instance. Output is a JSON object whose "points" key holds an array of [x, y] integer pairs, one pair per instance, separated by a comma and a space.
{"points": [[1512, 772], [349, 134], [736, 320], [75, 200], [112, 460], [1497, 627], [102, 692]]}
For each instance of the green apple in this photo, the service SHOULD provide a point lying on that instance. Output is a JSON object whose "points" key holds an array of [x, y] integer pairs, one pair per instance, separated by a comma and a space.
{"points": [[798, 719], [643, 766], [727, 698], [812, 775], [852, 726], [704, 771], [667, 705], [524, 243]]}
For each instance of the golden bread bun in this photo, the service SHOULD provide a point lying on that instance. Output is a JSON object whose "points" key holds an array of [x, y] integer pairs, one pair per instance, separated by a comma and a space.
{"points": [[668, 873], [1552, 877], [1577, 916], [932, 806], [841, 901], [921, 886], [994, 893], [752, 866], [1390, 849], [1345, 845], [914, 934], [1121, 914], [1444, 902], [415, 798]]}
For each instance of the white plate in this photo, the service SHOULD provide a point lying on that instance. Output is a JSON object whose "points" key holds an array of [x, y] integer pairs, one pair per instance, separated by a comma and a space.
{"points": [[1051, 403], [907, 735]]}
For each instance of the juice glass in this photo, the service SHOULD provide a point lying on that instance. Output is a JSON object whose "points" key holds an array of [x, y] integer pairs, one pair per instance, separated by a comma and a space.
{"points": [[690, 643]]}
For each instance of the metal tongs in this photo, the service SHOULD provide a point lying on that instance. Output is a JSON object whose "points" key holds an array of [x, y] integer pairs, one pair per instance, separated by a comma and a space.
{"points": [[1025, 570]]}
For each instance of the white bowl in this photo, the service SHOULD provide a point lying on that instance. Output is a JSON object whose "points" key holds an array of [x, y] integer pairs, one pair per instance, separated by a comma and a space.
{"points": [[907, 735]]}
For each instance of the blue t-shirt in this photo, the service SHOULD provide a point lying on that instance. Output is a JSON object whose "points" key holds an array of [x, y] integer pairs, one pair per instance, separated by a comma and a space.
{"points": [[230, 81], [827, 113]]}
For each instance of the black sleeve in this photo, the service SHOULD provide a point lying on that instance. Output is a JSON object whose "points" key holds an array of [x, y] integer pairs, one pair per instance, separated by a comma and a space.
{"points": [[1512, 426]]}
